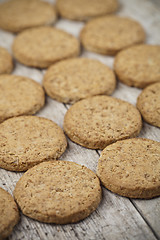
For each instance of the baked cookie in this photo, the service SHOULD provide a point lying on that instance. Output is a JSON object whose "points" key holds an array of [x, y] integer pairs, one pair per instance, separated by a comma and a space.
{"points": [[28, 140], [9, 214], [19, 96], [138, 66], [148, 104], [58, 192], [110, 34], [6, 63], [131, 168], [101, 120], [85, 9], [17, 15], [73, 79], [42, 46]]}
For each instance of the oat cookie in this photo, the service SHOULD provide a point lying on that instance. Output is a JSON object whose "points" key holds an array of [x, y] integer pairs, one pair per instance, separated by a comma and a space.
{"points": [[9, 214], [148, 104], [17, 15], [110, 34], [28, 140], [131, 168], [71, 192], [101, 120], [42, 46], [19, 96], [85, 9], [73, 79], [138, 66], [6, 64]]}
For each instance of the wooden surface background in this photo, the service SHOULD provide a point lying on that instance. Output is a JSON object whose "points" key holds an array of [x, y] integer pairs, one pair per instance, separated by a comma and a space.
{"points": [[116, 217]]}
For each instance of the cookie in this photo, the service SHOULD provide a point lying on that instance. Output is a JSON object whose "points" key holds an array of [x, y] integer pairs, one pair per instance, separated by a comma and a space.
{"points": [[6, 63], [148, 104], [19, 96], [131, 168], [110, 34], [40, 47], [85, 9], [9, 214], [17, 15], [73, 79], [58, 192], [28, 140], [101, 120], [138, 66]]}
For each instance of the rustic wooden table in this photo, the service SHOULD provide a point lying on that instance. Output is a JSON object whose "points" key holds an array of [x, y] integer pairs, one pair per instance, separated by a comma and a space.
{"points": [[116, 217]]}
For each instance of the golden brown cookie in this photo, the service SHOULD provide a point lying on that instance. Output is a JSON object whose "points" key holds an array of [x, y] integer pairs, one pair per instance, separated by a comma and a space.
{"points": [[43, 46], [85, 9], [73, 79], [9, 214], [58, 192], [28, 140], [101, 120], [6, 63], [110, 34], [148, 104], [19, 96], [131, 168], [17, 15], [138, 66]]}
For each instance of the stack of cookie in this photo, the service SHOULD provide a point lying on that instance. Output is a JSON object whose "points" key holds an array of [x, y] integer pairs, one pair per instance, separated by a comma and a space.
{"points": [[67, 192]]}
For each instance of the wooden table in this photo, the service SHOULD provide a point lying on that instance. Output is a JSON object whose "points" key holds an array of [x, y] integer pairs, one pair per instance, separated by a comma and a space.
{"points": [[116, 217]]}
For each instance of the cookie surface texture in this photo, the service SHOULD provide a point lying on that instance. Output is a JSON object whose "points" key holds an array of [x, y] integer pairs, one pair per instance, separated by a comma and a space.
{"points": [[85, 9], [101, 120], [148, 104], [6, 63], [71, 192], [73, 79], [131, 168], [138, 66], [17, 15], [110, 34], [9, 214], [42, 46], [19, 96], [28, 140]]}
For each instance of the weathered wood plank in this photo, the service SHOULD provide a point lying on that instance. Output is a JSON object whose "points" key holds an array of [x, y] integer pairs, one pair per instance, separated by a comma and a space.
{"points": [[116, 217]]}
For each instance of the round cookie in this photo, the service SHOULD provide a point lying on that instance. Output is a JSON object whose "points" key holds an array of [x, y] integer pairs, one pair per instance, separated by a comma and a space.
{"points": [[28, 140], [101, 120], [19, 96], [138, 66], [148, 104], [73, 79], [17, 15], [9, 214], [71, 192], [110, 34], [85, 9], [40, 47], [131, 168], [6, 64]]}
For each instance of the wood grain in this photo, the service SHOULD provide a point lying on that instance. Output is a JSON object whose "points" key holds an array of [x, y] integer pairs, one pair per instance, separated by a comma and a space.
{"points": [[116, 217]]}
